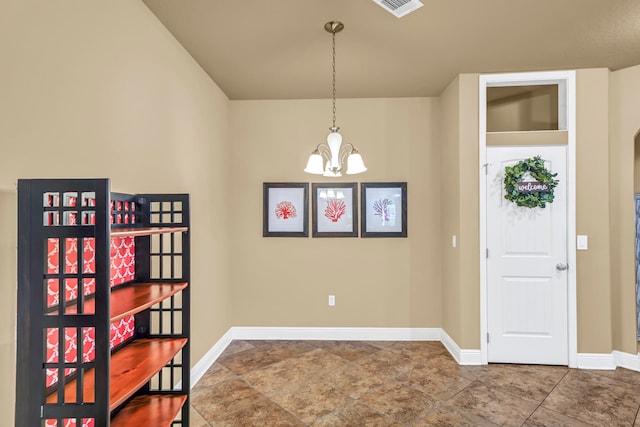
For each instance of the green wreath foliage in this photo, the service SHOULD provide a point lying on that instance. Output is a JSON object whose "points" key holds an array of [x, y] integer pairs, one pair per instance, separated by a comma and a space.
{"points": [[513, 175]]}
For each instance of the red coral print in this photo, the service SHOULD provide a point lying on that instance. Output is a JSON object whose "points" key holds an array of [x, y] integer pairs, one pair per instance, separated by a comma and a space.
{"points": [[381, 209], [335, 209], [285, 210]]}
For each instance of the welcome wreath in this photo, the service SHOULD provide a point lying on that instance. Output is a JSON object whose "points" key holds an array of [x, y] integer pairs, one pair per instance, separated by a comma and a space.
{"points": [[529, 194]]}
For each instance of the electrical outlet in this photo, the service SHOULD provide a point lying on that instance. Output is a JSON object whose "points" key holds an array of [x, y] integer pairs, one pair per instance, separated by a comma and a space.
{"points": [[332, 300]]}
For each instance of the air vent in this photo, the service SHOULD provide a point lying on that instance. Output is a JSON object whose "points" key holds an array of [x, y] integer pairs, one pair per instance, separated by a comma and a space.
{"points": [[400, 7]]}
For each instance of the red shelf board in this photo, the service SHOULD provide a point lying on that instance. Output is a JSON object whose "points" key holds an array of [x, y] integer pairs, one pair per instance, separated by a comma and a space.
{"points": [[131, 368], [153, 410], [145, 231]]}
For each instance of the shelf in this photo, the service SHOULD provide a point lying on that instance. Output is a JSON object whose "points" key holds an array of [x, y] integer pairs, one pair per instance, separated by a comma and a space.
{"points": [[146, 231], [154, 410], [136, 298], [133, 299], [131, 368]]}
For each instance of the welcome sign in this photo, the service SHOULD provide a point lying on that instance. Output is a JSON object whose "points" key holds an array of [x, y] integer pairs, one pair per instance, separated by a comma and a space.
{"points": [[531, 187]]}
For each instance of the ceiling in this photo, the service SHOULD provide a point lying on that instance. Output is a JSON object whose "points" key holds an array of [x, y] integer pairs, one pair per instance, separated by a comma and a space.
{"points": [[278, 49]]}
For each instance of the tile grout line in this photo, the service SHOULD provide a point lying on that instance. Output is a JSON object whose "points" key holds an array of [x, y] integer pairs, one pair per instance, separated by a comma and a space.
{"points": [[548, 394], [351, 400], [316, 377], [201, 416]]}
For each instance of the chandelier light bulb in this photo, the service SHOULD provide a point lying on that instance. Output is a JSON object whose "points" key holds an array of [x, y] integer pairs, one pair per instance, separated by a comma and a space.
{"points": [[315, 164], [355, 164]]}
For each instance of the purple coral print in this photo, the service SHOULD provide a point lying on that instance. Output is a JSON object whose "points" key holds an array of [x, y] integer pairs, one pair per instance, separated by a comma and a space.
{"points": [[381, 209], [335, 209], [285, 210]]}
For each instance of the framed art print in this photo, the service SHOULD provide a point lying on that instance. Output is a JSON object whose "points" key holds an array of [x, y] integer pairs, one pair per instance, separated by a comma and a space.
{"points": [[285, 209], [384, 209], [335, 210]]}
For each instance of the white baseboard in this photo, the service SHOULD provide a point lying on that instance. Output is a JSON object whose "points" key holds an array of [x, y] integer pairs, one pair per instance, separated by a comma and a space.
{"points": [[201, 367], [609, 361], [336, 334], [463, 357], [602, 361], [627, 360]]}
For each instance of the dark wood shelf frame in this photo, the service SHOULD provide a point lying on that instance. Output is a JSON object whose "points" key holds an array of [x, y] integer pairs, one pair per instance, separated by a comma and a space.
{"points": [[145, 378]]}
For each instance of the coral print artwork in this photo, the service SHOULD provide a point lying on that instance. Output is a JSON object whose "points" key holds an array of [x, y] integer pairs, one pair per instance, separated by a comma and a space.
{"points": [[285, 211], [384, 209], [335, 211]]}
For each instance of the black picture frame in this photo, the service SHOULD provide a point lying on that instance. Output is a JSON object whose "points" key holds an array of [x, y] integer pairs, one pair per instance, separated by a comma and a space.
{"points": [[285, 209], [335, 210], [380, 202]]}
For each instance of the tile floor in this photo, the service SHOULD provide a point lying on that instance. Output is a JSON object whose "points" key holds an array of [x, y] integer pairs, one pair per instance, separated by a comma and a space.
{"points": [[347, 383]]}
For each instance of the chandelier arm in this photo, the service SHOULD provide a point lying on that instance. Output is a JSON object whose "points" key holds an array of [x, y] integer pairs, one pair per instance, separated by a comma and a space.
{"points": [[324, 151], [345, 150]]}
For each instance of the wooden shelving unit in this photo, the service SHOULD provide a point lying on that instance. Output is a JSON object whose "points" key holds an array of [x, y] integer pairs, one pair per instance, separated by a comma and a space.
{"points": [[103, 306]]}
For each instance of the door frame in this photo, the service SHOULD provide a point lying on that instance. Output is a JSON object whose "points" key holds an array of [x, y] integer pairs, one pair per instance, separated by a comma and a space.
{"points": [[566, 121]]}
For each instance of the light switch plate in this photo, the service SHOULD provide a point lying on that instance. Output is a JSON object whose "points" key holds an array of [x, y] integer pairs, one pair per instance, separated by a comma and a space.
{"points": [[582, 243]]}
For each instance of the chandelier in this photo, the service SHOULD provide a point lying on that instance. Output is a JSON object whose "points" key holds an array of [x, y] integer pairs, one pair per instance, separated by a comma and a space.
{"points": [[328, 159]]}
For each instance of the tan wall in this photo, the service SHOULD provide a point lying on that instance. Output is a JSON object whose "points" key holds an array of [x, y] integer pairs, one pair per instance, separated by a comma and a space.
{"points": [[592, 213], [460, 211], [522, 108], [625, 122], [469, 213], [425, 271], [450, 206], [378, 282], [8, 262], [101, 89]]}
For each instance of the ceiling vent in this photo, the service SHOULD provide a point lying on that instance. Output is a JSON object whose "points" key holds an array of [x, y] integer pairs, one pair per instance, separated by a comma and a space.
{"points": [[400, 7]]}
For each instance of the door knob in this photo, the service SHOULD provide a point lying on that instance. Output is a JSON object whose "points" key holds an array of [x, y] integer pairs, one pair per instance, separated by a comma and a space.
{"points": [[561, 266]]}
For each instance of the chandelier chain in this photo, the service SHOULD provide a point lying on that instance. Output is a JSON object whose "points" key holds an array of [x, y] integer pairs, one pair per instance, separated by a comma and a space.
{"points": [[334, 78]]}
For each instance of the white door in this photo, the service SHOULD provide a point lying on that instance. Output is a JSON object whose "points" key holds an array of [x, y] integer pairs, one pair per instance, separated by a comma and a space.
{"points": [[527, 283]]}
